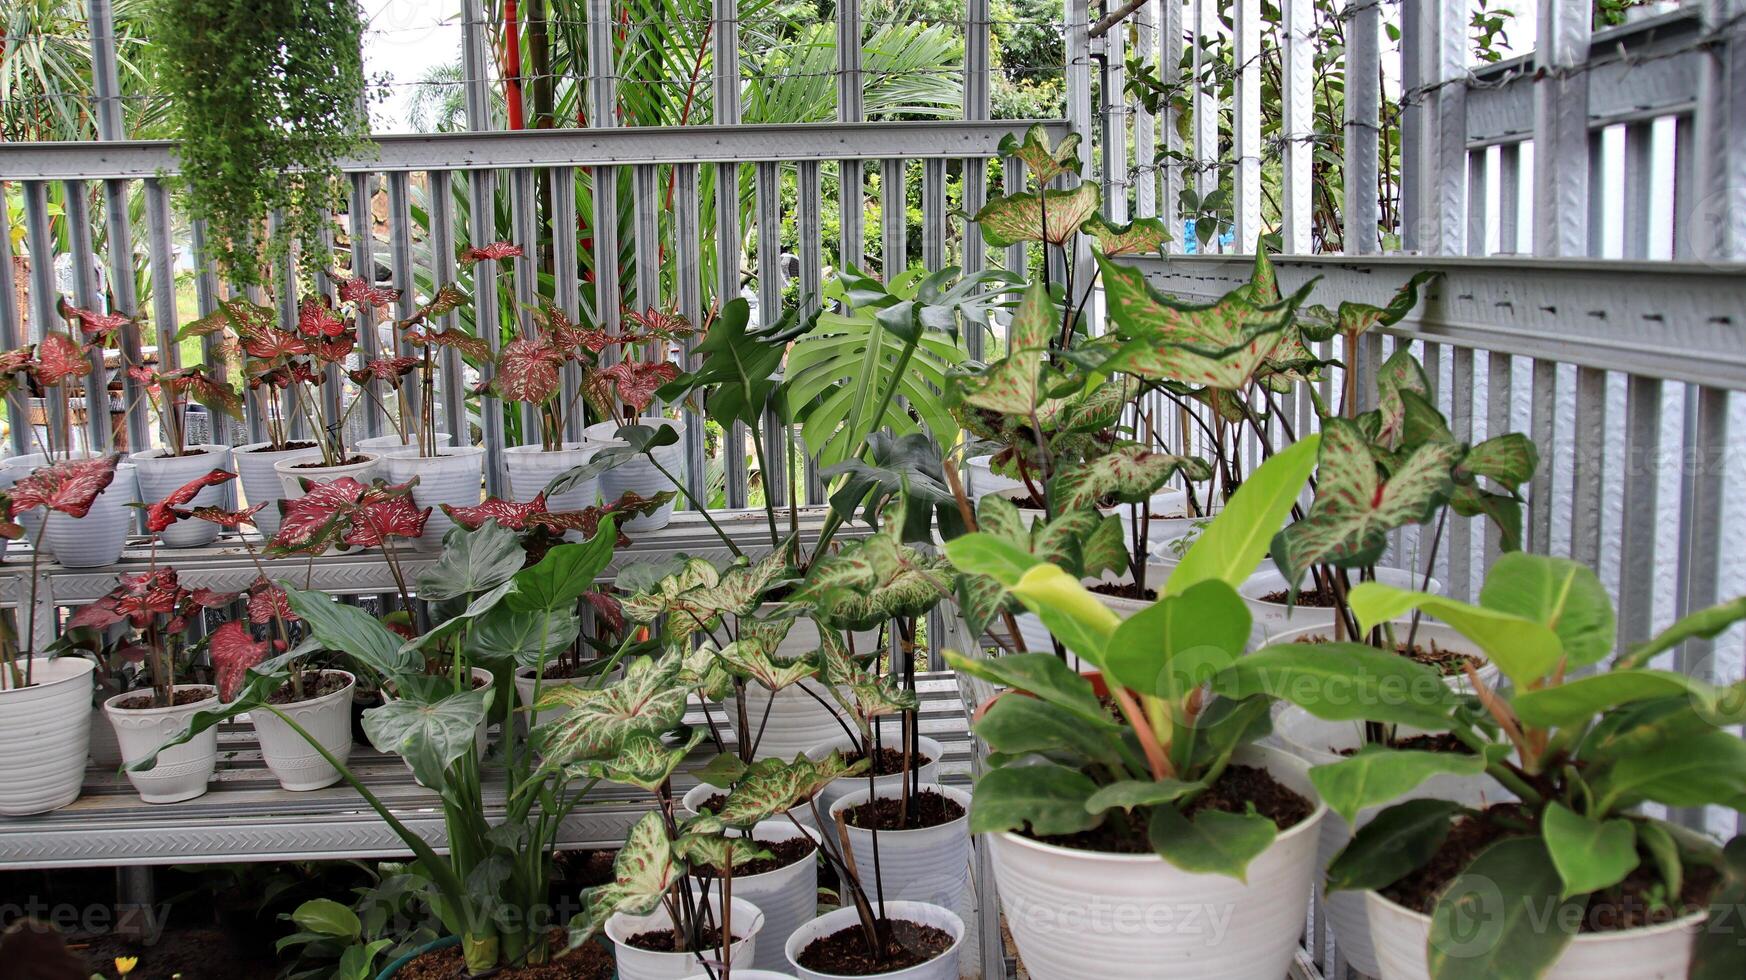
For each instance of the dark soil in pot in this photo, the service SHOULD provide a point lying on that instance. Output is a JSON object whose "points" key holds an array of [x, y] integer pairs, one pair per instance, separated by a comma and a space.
{"points": [[316, 684], [1317, 598], [887, 813], [185, 696], [318, 464], [845, 952], [662, 941], [712, 804], [268, 448], [590, 961], [1631, 904], [1429, 742], [1238, 788], [1125, 590], [887, 761]]}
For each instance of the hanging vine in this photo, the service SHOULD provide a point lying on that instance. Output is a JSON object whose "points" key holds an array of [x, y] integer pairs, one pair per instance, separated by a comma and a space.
{"points": [[267, 96]]}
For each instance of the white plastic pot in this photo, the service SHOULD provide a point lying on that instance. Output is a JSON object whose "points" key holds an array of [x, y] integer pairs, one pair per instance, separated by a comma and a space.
{"points": [[454, 476], [328, 719], [183, 771], [929, 864], [1321, 743], [795, 722], [98, 538], [980, 478], [839, 788], [1661, 952], [942, 967], [531, 468], [103, 749], [788, 896], [639, 475], [1275, 617], [390, 445], [1076, 913], [291, 471], [1444, 636], [161, 474], [524, 689], [740, 974], [642, 964], [261, 483], [45, 728], [1037, 637]]}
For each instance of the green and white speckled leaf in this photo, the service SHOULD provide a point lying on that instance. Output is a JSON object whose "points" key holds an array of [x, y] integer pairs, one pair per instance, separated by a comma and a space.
{"points": [[715, 851], [1045, 162], [752, 661], [1399, 373], [773, 786], [1141, 236], [1016, 218], [1012, 385], [646, 606], [702, 671], [597, 721], [1509, 459], [1357, 318], [641, 874], [1128, 473], [643, 761], [873, 580]]}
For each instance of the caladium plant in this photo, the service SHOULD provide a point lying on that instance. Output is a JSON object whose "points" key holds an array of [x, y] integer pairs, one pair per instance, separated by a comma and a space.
{"points": [[626, 388], [170, 392], [157, 611], [345, 513], [69, 487]]}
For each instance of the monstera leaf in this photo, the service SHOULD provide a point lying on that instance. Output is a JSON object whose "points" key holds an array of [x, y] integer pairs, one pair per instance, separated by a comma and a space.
{"points": [[1128, 473], [1037, 216], [1354, 509], [645, 868], [429, 735], [1045, 162], [910, 465], [597, 721], [643, 761], [1141, 236], [736, 368], [873, 580]]}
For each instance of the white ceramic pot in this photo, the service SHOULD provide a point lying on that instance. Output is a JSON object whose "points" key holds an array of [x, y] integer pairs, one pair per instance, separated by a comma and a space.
{"points": [[839, 788], [1075, 913], [161, 474], [642, 964], [181, 772], [328, 719], [454, 476], [740, 974], [103, 749], [291, 471], [524, 689], [1661, 952], [942, 967], [1444, 636], [795, 722], [1322, 743], [13, 469], [531, 468], [639, 475], [46, 728], [97, 538], [1275, 617], [788, 896], [980, 478], [929, 864], [261, 483], [390, 445]]}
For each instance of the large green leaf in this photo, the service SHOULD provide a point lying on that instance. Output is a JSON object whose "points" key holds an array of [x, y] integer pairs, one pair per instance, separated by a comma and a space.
{"points": [[1523, 649], [1589, 854], [472, 561], [1130, 793], [736, 368], [1502, 919], [1344, 682], [1015, 725], [528, 637], [1354, 509], [1051, 216], [1377, 775], [642, 872], [1213, 842], [1694, 771], [1049, 798], [1173, 646], [1400, 839], [566, 572], [1564, 595], [1575, 701], [352, 631], [429, 735], [1129, 473], [327, 917], [1233, 544], [1705, 623], [1041, 674]]}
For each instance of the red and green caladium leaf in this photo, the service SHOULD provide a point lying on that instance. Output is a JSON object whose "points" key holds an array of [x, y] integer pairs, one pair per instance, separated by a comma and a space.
{"points": [[633, 382], [490, 253], [136, 598], [1045, 162], [59, 357], [470, 346], [654, 323], [69, 486], [527, 370], [234, 651], [1354, 509], [1141, 236], [1128, 473], [269, 344], [1012, 385], [384, 512], [356, 289], [163, 513], [232, 519], [389, 370], [97, 328], [314, 522], [267, 602], [506, 513], [316, 319], [449, 297], [771, 787], [204, 388], [597, 722], [1016, 218], [565, 334], [646, 866]]}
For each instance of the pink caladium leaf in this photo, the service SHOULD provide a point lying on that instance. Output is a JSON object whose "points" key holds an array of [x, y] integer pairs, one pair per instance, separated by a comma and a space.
{"points": [[162, 514], [607, 607], [234, 651], [506, 513], [587, 520], [60, 357], [391, 370], [96, 615], [270, 344], [142, 374], [141, 596], [633, 382], [386, 512], [317, 320], [527, 370], [357, 289], [449, 298], [232, 519], [335, 350], [314, 522], [216, 395], [656, 324], [212, 599], [267, 602], [466, 343], [96, 327], [491, 252], [69, 486], [17, 359], [566, 334]]}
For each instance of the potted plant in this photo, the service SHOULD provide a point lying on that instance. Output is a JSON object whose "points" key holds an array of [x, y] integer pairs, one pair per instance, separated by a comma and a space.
{"points": [[164, 469], [923, 840], [1583, 746], [528, 370], [623, 390]]}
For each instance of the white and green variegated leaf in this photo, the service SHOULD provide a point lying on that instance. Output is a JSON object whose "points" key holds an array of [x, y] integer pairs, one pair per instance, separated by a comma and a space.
{"points": [[1128, 473], [1141, 236], [773, 786], [1013, 384], [1399, 372], [739, 591], [644, 869], [651, 603], [876, 695], [1051, 216], [701, 671], [717, 851], [1357, 318], [753, 662], [643, 761], [1509, 459], [872, 580], [597, 721], [1045, 162]]}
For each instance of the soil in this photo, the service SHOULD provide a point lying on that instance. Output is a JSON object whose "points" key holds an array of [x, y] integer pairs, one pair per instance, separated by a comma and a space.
{"points": [[1447, 662], [1237, 790], [141, 702], [560, 670], [844, 952], [885, 813], [712, 804], [590, 961], [886, 761], [585, 869], [318, 464], [184, 453], [1125, 590], [206, 953], [661, 940], [1429, 742], [268, 448], [315, 685], [1627, 905], [787, 852], [1307, 598]]}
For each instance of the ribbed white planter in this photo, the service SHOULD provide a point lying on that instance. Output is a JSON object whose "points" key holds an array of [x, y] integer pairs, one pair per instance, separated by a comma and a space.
{"points": [[839, 788], [161, 474], [1661, 952], [795, 722], [929, 864], [97, 538], [45, 728], [1276, 617], [639, 475], [328, 719], [291, 471], [390, 445], [524, 689], [942, 967], [788, 896], [1321, 743], [183, 771], [642, 964], [1076, 913], [1446, 637], [455, 476], [531, 468], [260, 483], [980, 478]]}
